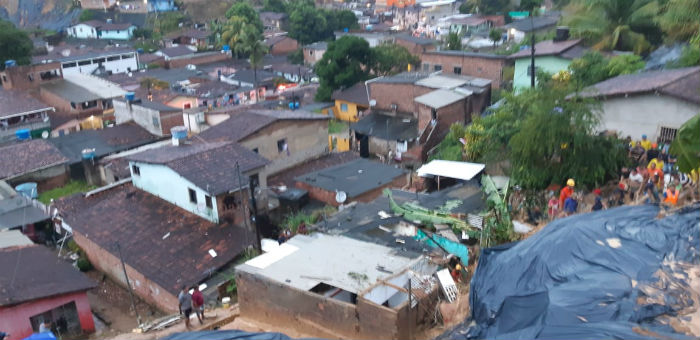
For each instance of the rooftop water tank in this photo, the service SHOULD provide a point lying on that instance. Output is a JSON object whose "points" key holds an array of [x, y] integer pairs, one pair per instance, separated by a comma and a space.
{"points": [[130, 96], [23, 134], [88, 153], [179, 134]]}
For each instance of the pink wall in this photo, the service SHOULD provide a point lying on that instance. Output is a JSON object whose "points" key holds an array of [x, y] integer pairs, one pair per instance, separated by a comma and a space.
{"points": [[15, 319]]}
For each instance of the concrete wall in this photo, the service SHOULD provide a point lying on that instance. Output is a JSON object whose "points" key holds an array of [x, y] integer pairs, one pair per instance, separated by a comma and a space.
{"points": [[144, 117], [645, 114], [550, 64], [165, 183], [15, 319], [47, 178], [115, 63], [312, 313], [350, 115], [312, 56], [109, 264], [482, 67], [118, 34], [82, 31], [306, 139]]}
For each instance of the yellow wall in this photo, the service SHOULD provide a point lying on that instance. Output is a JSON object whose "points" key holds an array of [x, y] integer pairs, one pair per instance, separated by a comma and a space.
{"points": [[350, 115]]}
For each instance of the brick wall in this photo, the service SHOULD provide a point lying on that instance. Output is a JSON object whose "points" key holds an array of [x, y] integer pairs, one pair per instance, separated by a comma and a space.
{"points": [[62, 104], [285, 46], [18, 77], [169, 120], [401, 94], [482, 67], [311, 313], [109, 264], [197, 59], [414, 48], [47, 179]]}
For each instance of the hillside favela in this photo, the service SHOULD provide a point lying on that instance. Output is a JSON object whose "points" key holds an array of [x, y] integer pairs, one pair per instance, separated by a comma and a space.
{"points": [[349, 169]]}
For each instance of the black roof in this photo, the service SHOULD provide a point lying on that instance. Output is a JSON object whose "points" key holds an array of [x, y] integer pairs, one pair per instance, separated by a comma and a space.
{"points": [[34, 272], [416, 40], [105, 142], [354, 177], [210, 166], [387, 127], [534, 23]]}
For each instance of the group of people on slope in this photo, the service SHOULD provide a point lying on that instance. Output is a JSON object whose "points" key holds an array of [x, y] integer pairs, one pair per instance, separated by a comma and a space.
{"points": [[191, 302]]}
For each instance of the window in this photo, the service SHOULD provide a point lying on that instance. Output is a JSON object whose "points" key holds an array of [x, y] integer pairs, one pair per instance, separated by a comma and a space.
{"points": [[193, 195], [282, 145], [457, 70], [98, 60], [69, 65], [136, 170], [84, 62], [667, 134], [156, 122], [127, 56], [113, 58], [256, 150], [344, 107], [437, 68], [426, 67], [207, 201]]}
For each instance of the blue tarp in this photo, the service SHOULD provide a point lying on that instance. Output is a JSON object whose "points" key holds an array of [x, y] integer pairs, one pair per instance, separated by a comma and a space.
{"points": [[41, 336], [584, 277]]}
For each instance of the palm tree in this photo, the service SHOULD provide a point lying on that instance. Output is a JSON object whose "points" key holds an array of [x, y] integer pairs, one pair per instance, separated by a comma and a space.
{"points": [[614, 24], [232, 33], [252, 45], [681, 19]]}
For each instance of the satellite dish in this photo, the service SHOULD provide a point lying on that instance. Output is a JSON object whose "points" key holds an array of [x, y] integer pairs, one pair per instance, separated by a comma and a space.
{"points": [[341, 196], [372, 103], [45, 135]]}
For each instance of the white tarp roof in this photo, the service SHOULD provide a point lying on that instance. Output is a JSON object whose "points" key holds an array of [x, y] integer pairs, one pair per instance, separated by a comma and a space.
{"points": [[452, 169], [441, 98]]}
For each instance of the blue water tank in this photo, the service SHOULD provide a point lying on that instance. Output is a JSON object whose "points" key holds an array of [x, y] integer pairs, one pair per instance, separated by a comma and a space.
{"points": [[296, 105], [10, 63], [369, 27], [139, 50], [291, 105], [524, 47], [226, 48], [23, 134], [179, 132], [88, 153], [345, 30], [27, 189], [130, 96]]}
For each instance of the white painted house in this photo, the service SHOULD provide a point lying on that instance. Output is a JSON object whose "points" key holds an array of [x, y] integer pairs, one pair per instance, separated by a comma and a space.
{"points": [[95, 29], [653, 103]]}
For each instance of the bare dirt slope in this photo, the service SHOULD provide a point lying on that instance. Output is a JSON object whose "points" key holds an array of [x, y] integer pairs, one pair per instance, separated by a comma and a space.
{"points": [[47, 14]]}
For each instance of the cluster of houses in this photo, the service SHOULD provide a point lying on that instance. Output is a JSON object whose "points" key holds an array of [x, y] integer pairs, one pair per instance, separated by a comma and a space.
{"points": [[191, 151]]}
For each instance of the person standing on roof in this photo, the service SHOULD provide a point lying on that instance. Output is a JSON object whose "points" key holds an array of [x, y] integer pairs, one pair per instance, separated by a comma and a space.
{"points": [[185, 305], [198, 303], [567, 191]]}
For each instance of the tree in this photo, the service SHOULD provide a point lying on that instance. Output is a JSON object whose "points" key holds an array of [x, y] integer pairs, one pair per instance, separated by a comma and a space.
{"points": [[254, 47], [454, 42], [232, 33], [274, 6], [627, 25], [624, 64], [86, 15], [244, 10], [680, 19], [14, 44], [495, 35], [344, 19], [296, 57], [591, 68], [529, 5], [307, 25], [687, 145], [343, 65], [468, 7], [388, 59]]}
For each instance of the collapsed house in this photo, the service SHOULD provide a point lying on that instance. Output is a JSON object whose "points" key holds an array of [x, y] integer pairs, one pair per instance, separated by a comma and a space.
{"points": [[339, 287]]}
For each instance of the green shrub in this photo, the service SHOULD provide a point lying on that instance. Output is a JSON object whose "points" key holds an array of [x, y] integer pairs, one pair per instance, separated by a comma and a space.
{"points": [[84, 264]]}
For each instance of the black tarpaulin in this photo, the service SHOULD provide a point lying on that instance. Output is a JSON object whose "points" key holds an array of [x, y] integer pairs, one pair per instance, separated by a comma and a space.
{"points": [[588, 276], [226, 335]]}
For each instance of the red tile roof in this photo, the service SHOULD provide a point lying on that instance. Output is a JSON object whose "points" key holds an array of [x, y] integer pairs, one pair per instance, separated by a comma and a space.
{"points": [[167, 244], [21, 158]]}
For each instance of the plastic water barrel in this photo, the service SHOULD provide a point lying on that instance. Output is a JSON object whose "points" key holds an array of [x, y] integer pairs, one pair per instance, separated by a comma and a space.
{"points": [[130, 96], [28, 189], [88, 153], [10, 63], [23, 134], [179, 132], [226, 48]]}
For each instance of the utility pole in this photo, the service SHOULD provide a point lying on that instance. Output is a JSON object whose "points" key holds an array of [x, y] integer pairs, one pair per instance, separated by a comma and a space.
{"points": [[410, 304], [245, 218], [128, 285], [532, 49]]}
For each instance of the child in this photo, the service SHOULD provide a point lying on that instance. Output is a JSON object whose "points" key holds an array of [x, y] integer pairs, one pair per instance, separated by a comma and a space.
{"points": [[552, 206]]}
